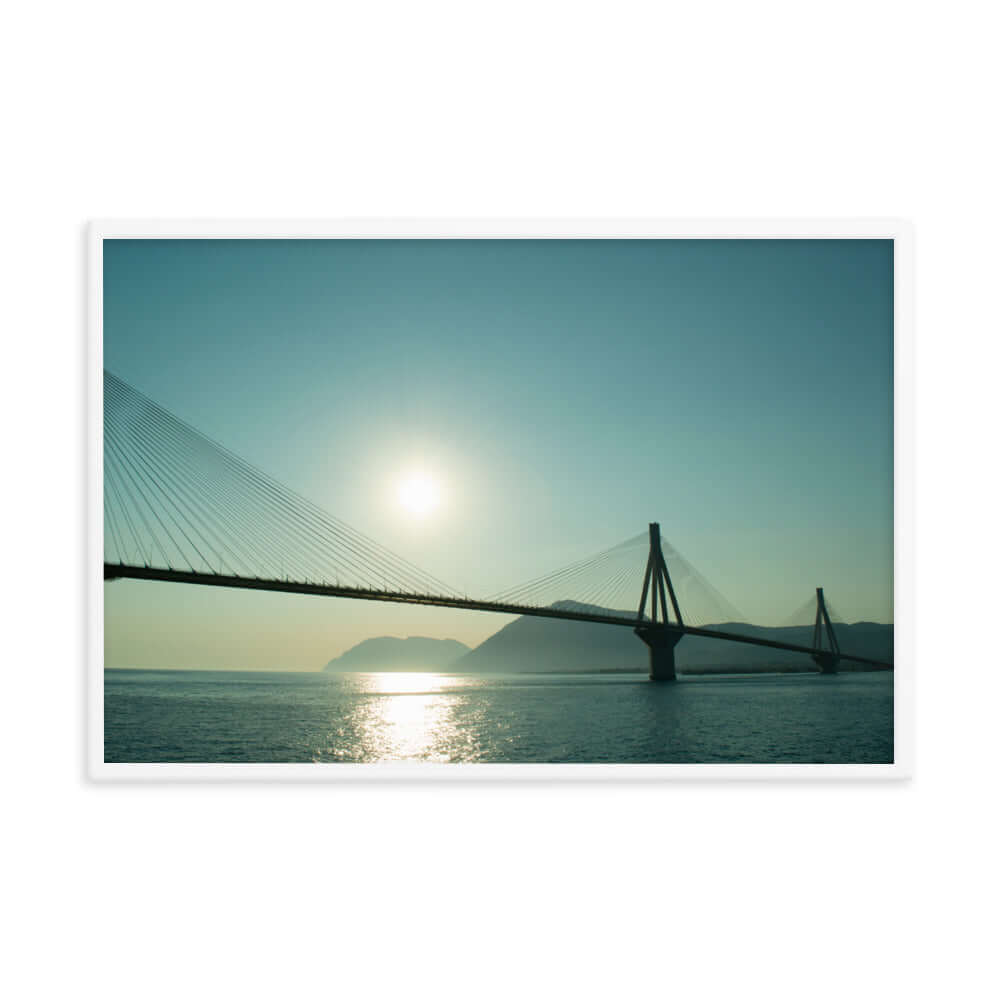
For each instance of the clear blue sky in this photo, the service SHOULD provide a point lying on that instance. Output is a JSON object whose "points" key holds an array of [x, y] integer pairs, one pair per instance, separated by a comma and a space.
{"points": [[562, 393]]}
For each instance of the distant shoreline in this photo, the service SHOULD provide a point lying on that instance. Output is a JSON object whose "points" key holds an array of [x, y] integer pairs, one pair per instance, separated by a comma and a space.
{"points": [[700, 671]]}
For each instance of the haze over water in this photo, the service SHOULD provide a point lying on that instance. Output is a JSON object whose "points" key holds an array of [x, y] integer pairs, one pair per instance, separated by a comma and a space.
{"points": [[281, 717]]}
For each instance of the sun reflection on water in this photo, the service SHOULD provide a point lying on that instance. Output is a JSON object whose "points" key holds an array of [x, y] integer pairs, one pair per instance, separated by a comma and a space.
{"points": [[409, 683], [402, 716]]}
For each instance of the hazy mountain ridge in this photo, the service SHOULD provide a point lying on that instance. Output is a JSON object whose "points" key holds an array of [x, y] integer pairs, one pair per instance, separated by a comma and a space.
{"points": [[550, 645], [540, 645], [392, 653]]}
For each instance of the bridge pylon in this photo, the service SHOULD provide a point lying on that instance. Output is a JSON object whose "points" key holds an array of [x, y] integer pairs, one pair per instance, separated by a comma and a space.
{"points": [[826, 658], [657, 631]]}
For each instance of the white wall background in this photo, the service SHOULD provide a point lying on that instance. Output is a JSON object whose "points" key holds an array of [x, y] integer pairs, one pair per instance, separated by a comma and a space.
{"points": [[573, 109]]}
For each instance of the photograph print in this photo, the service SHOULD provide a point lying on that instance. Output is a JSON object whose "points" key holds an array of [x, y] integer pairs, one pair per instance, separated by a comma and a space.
{"points": [[501, 501]]}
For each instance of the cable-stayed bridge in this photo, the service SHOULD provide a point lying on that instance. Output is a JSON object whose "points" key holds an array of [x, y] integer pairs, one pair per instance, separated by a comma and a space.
{"points": [[179, 507]]}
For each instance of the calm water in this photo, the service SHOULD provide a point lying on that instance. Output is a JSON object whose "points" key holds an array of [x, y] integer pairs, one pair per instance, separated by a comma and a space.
{"points": [[220, 716]]}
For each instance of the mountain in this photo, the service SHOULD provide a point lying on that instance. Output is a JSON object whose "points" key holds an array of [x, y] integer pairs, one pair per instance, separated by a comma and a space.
{"points": [[552, 645], [548, 645], [390, 653]]}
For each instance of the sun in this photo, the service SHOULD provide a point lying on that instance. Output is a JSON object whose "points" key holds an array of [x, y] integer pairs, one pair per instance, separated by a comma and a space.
{"points": [[419, 494]]}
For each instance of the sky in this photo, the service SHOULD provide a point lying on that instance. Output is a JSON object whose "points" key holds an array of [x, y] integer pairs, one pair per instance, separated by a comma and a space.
{"points": [[558, 395]]}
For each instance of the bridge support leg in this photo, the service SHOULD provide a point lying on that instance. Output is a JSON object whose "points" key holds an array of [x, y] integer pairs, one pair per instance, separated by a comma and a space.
{"points": [[661, 640], [827, 662]]}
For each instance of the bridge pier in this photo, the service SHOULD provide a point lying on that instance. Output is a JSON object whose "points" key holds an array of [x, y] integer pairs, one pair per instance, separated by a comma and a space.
{"points": [[661, 640], [827, 662]]}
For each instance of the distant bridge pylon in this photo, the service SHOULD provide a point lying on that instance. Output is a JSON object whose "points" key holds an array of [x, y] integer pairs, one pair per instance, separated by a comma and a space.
{"points": [[827, 657]]}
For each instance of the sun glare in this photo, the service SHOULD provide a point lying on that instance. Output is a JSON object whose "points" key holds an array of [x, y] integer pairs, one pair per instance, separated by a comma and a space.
{"points": [[419, 495]]}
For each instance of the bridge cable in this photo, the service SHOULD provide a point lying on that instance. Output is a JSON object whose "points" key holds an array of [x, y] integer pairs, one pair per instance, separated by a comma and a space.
{"points": [[169, 505], [270, 508], [566, 573], [242, 487]]}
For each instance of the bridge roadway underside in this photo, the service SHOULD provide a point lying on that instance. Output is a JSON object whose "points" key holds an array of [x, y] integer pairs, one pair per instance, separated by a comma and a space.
{"points": [[657, 634]]}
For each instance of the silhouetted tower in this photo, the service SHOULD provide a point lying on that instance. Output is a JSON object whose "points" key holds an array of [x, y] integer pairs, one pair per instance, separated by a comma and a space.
{"points": [[826, 658], [657, 631]]}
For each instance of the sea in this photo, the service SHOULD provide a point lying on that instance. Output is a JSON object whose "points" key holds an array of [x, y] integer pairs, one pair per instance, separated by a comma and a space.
{"points": [[183, 716]]}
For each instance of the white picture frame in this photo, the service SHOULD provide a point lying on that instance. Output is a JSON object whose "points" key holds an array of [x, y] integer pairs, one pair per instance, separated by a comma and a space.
{"points": [[900, 232]]}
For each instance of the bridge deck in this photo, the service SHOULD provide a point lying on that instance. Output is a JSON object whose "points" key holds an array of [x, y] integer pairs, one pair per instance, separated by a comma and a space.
{"points": [[114, 571]]}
